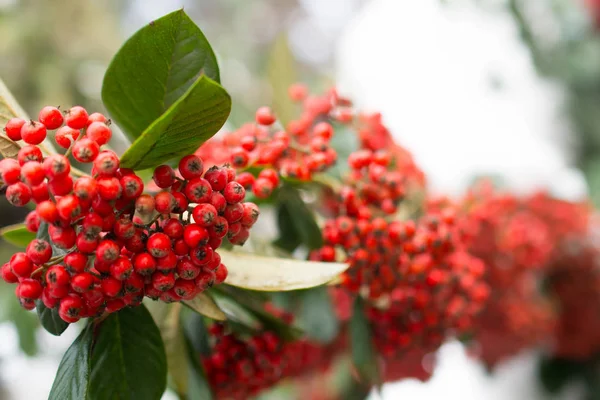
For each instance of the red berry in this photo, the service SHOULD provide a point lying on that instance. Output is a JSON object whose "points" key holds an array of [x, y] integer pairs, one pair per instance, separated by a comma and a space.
{"points": [[66, 136], [163, 282], [239, 157], [13, 128], [124, 228], [99, 133], [75, 262], [234, 212], [106, 163], [70, 308], [51, 117], [324, 130], [10, 170], [251, 213], [85, 188], [85, 243], [21, 265], [82, 282], [39, 251], [132, 186], [144, 264], [30, 153], [158, 245], [134, 284], [186, 269], [109, 188], [234, 192], [32, 221], [40, 193], [173, 228], [163, 176], [85, 150], [198, 190], [111, 287], [201, 255], [47, 211], [57, 166], [145, 204], [61, 186], [262, 188], [195, 235], [221, 274], [77, 117], [241, 237], [32, 173], [217, 177], [30, 289], [121, 269], [205, 214], [246, 179], [166, 263], [64, 238], [107, 252], [33, 132], [191, 167], [97, 117], [264, 116], [180, 201], [164, 202], [18, 194], [68, 207], [219, 228], [57, 275], [218, 201], [271, 175], [7, 274]]}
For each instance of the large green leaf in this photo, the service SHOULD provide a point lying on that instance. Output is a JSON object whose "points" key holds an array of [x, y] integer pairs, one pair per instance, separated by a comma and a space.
{"points": [[17, 235], [153, 69], [316, 315], [50, 319], [189, 122], [128, 358], [364, 355], [72, 377]]}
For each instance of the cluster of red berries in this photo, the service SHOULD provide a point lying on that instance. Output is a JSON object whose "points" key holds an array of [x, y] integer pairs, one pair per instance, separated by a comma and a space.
{"points": [[241, 367], [102, 244]]}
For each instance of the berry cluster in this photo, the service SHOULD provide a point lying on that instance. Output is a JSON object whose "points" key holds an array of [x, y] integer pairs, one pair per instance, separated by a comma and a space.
{"points": [[101, 243], [241, 367]]}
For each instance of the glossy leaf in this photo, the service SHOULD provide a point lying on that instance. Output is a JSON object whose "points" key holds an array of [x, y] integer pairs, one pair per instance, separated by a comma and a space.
{"points": [[189, 122], [275, 274], [72, 378], [364, 355], [198, 386], [154, 69], [128, 359], [17, 235], [50, 319], [299, 218], [205, 305]]}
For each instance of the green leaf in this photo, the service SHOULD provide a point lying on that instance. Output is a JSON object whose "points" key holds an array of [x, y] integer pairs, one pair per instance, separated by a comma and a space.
{"points": [[154, 69], [364, 355], [166, 317], [17, 235], [50, 319], [205, 305], [289, 239], [299, 218], [316, 315], [72, 378], [189, 122], [26, 324], [274, 274], [194, 328], [198, 386], [128, 359]]}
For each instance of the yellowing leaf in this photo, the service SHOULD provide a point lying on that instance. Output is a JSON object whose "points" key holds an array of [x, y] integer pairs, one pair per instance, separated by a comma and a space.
{"points": [[205, 305], [276, 274]]}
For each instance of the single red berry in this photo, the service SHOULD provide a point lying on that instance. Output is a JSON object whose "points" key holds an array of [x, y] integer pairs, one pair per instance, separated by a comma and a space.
{"points": [[66, 136], [204, 214], [33, 132], [217, 177], [30, 289], [264, 116], [167, 263], [32, 221], [63, 238], [85, 150], [58, 292], [61, 186], [137, 242], [145, 204], [39, 251], [70, 308], [163, 282], [180, 201], [180, 247], [134, 284], [111, 287], [198, 190], [144, 264], [18, 194], [234, 192], [85, 188], [214, 261], [219, 228], [21, 265], [121, 269], [163, 176], [215, 242], [77, 117], [220, 274], [262, 188], [239, 157], [109, 188], [132, 186], [271, 175], [75, 262], [191, 167], [99, 133], [186, 269], [201, 255], [82, 282], [108, 251], [158, 245], [30, 153], [185, 289], [13, 128], [32, 173], [47, 211], [246, 179], [173, 228], [106, 163], [218, 201], [250, 215], [97, 117], [56, 166], [51, 117], [93, 297], [7, 274], [234, 212], [10, 170], [195, 235], [124, 228], [68, 207], [297, 92], [164, 202], [241, 237], [85, 243], [40, 193], [205, 280], [57, 275]]}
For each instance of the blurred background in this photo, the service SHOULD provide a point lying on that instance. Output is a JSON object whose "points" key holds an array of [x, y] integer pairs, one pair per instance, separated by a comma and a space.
{"points": [[501, 88]]}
